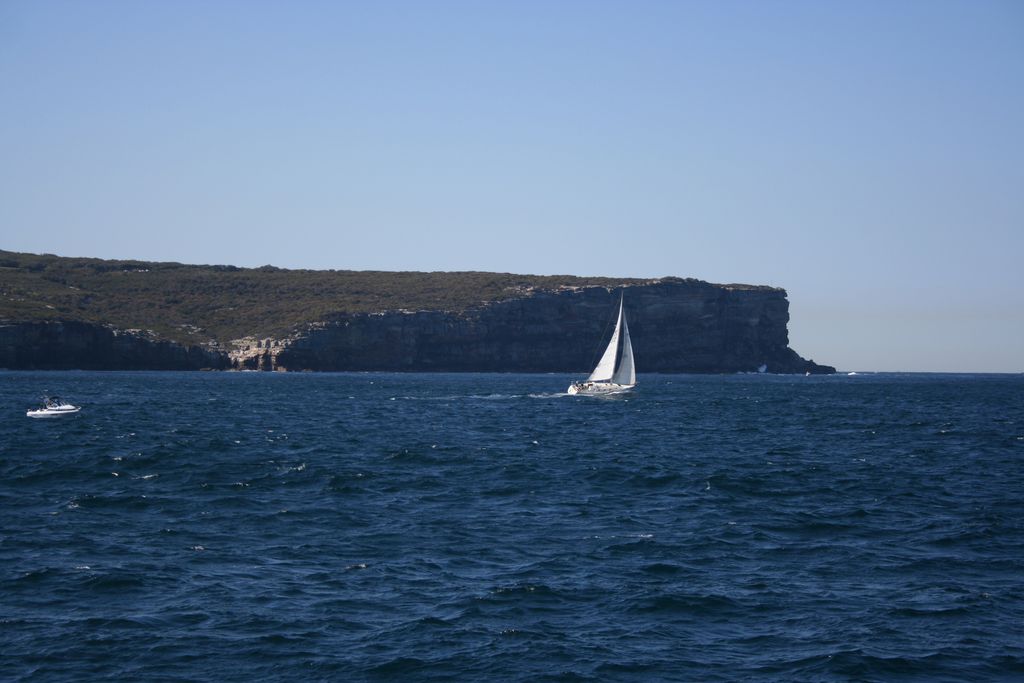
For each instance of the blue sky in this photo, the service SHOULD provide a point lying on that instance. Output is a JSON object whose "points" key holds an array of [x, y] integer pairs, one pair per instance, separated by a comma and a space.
{"points": [[866, 156]]}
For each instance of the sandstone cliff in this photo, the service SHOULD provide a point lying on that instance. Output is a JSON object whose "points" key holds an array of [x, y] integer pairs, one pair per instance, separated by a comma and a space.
{"points": [[74, 345], [676, 326], [58, 313]]}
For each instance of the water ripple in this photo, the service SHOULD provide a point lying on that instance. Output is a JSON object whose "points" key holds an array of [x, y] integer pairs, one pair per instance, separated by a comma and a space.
{"points": [[488, 527]]}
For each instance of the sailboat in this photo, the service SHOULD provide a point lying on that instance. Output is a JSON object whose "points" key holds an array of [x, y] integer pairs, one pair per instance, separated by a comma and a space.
{"points": [[615, 372]]}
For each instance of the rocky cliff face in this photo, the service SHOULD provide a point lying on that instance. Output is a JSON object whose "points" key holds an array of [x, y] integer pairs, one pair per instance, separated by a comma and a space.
{"points": [[676, 326], [73, 345]]}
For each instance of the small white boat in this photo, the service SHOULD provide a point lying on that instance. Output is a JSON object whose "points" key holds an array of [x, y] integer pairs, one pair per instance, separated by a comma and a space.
{"points": [[53, 406], [615, 372]]}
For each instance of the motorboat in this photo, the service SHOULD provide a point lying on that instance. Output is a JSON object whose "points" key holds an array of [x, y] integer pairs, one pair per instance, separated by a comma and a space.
{"points": [[53, 406]]}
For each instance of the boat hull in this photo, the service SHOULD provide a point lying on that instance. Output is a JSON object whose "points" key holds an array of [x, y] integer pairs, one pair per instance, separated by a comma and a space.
{"points": [[598, 388], [52, 412]]}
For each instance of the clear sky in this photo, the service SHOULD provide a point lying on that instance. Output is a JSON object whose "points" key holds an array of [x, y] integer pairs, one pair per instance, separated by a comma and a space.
{"points": [[867, 156]]}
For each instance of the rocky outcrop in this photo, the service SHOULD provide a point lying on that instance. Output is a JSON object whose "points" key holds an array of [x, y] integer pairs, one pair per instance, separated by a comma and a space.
{"points": [[676, 326], [250, 353], [75, 345]]}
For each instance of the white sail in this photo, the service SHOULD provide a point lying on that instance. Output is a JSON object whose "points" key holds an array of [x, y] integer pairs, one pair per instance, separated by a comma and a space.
{"points": [[626, 374], [606, 367]]}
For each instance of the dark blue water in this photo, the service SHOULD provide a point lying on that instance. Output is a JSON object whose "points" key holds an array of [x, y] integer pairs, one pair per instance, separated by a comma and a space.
{"points": [[240, 526]]}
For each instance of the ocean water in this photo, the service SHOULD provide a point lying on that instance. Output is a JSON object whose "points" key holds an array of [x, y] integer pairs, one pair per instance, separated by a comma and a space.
{"points": [[369, 527]]}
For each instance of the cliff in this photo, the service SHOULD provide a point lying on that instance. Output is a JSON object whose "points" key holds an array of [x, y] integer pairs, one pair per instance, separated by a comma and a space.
{"points": [[75, 345], [61, 313], [676, 326]]}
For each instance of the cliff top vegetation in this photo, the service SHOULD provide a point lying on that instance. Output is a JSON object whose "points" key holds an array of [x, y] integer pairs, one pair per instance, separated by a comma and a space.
{"points": [[197, 304]]}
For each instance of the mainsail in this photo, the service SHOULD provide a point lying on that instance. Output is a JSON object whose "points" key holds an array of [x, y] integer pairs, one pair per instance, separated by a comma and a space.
{"points": [[606, 369], [626, 374]]}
